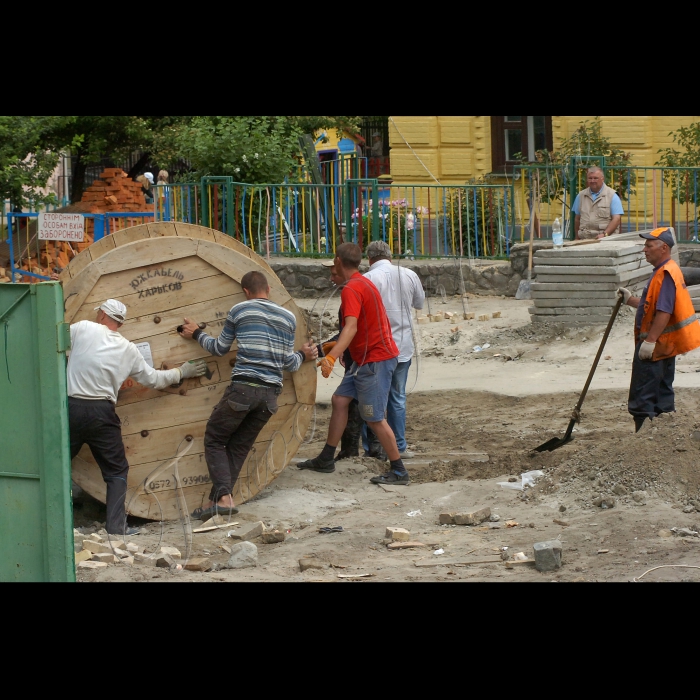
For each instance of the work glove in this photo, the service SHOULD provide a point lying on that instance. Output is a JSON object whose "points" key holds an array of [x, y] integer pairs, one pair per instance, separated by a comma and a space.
{"points": [[327, 347], [646, 350], [326, 365], [624, 293], [193, 368]]}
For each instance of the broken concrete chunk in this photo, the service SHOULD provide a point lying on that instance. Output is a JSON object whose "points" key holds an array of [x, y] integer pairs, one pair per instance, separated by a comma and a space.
{"points": [[121, 553], [397, 534], [106, 558], [84, 555], [496, 314], [447, 518], [95, 537], [619, 490], [311, 563], [97, 547], [174, 552], [129, 560], [243, 555], [131, 547], [92, 565], [640, 497], [468, 316], [472, 517], [247, 532], [115, 544], [547, 555], [198, 564], [273, 537], [143, 557], [665, 533], [165, 561], [423, 319]]}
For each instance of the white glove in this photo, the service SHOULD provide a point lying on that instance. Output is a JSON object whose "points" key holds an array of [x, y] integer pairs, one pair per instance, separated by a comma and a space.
{"points": [[646, 350], [624, 293], [193, 368]]}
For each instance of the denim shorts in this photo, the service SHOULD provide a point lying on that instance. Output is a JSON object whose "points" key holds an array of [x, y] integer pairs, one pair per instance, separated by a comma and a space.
{"points": [[370, 385]]}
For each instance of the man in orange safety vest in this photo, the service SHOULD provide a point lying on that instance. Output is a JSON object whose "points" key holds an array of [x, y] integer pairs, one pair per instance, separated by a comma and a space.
{"points": [[665, 326]]}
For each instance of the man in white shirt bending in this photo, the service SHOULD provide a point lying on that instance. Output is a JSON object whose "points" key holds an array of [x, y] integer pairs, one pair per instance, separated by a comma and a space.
{"points": [[401, 290], [100, 360]]}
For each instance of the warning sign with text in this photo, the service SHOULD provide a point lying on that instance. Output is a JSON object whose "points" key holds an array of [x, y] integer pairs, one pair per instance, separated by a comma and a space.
{"points": [[54, 226]]}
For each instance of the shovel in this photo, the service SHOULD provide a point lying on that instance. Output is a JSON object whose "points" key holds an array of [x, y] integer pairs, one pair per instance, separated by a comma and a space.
{"points": [[524, 286], [575, 415]]}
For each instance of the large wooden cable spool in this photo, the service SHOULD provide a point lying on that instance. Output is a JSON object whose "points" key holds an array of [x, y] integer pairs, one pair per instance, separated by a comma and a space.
{"points": [[164, 272]]}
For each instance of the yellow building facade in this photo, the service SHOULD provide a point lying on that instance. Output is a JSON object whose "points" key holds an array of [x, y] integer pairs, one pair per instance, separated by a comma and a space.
{"points": [[454, 150]]}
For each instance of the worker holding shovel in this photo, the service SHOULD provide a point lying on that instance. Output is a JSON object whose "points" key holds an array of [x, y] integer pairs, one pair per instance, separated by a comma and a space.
{"points": [[665, 326]]}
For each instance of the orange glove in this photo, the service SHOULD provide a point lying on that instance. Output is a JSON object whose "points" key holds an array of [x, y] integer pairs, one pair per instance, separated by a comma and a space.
{"points": [[327, 347], [326, 365]]}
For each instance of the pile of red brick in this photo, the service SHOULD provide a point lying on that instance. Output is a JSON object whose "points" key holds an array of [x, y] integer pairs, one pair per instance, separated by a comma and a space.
{"points": [[112, 192]]}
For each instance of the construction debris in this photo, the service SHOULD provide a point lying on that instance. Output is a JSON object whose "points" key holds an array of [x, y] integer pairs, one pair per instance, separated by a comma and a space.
{"points": [[247, 532], [397, 534], [547, 555]]}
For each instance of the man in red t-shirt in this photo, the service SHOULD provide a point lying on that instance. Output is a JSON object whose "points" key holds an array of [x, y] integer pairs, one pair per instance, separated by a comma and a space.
{"points": [[367, 334]]}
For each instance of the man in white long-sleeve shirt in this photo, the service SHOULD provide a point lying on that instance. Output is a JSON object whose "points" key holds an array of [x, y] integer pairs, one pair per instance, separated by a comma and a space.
{"points": [[401, 290], [100, 360]]}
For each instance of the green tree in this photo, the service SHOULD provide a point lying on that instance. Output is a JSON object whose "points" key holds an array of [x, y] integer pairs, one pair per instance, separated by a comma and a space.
{"points": [[688, 139], [26, 161], [92, 138], [582, 150], [251, 149]]}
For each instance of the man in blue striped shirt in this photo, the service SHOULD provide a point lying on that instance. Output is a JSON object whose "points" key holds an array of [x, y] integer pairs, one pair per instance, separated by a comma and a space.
{"points": [[265, 334]]}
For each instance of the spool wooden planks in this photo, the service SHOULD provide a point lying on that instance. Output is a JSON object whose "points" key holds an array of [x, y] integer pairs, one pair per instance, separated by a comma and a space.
{"points": [[164, 272]]}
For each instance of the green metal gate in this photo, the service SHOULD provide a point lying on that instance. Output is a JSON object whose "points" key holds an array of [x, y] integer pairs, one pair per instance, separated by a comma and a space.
{"points": [[36, 512]]}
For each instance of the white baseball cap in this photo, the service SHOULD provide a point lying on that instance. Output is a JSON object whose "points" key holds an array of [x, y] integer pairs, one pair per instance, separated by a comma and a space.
{"points": [[149, 176], [114, 309]]}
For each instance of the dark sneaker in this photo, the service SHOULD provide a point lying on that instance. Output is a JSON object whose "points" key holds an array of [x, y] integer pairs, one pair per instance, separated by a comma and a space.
{"points": [[346, 454], [318, 465], [390, 478]]}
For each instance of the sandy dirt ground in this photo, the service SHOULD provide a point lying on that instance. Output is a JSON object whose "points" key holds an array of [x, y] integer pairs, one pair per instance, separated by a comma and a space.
{"points": [[474, 417]]}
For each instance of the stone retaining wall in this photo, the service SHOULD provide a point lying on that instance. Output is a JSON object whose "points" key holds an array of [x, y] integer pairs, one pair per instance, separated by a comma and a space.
{"points": [[305, 278], [308, 278]]}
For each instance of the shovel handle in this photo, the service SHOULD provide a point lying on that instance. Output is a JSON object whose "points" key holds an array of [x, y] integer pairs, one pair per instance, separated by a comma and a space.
{"points": [[600, 352]]}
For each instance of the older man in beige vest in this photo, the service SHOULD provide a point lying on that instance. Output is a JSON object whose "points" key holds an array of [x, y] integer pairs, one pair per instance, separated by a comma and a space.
{"points": [[598, 208]]}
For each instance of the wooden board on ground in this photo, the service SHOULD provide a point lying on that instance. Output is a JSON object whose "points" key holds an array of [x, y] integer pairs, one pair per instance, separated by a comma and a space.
{"points": [[164, 272]]}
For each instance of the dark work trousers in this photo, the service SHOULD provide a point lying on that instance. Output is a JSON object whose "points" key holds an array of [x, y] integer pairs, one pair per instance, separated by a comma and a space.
{"points": [[97, 424], [232, 429], [651, 387]]}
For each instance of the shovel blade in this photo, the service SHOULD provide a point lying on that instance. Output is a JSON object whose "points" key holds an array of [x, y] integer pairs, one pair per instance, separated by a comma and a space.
{"points": [[553, 444], [523, 290]]}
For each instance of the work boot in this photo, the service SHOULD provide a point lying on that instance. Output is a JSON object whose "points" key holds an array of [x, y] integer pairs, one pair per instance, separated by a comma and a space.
{"points": [[351, 435], [318, 465], [375, 448]]}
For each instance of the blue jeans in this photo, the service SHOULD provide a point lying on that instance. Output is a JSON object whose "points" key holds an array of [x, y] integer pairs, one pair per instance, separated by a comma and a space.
{"points": [[370, 384], [396, 407]]}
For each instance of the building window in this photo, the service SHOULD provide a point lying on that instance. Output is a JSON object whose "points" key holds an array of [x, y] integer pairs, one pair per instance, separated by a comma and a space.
{"points": [[513, 138]]}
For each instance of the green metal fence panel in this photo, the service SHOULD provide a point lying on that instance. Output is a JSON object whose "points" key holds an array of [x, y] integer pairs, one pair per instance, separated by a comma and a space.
{"points": [[36, 512]]}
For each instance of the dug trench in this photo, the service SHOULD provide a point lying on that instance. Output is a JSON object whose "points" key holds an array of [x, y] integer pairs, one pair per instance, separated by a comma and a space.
{"points": [[466, 442]]}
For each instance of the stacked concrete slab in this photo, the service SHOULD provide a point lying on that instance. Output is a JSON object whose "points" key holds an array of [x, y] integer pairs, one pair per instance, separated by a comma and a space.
{"points": [[577, 284], [694, 292]]}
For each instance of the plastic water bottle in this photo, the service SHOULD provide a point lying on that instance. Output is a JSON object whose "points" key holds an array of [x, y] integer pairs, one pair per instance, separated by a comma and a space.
{"points": [[557, 235]]}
